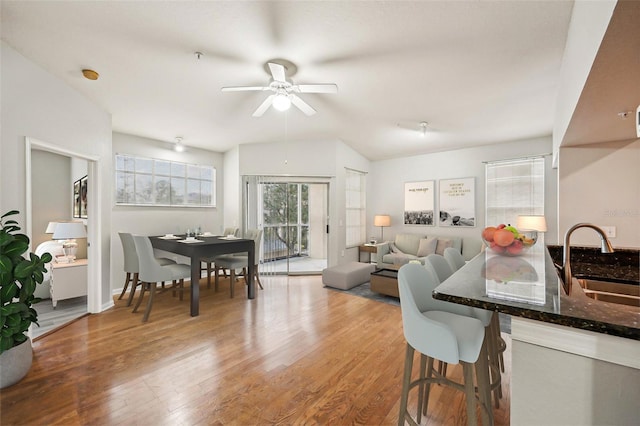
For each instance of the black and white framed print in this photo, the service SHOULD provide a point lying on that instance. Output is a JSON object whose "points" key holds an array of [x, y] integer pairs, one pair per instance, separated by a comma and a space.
{"points": [[419, 203], [457, 202]]}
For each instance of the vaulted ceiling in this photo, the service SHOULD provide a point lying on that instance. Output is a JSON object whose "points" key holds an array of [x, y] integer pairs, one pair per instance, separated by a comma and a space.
{"points": [[479, 72]]}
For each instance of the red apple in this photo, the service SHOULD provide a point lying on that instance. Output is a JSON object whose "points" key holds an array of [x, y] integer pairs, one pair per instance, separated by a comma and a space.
{"points": [[515, 248], [503, 237], [487, 233], [502, 225]]}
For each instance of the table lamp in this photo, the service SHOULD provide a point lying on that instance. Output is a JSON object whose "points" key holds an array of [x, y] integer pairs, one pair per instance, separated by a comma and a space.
{"points": [[69, 231], [532, 223], [382, 221]]}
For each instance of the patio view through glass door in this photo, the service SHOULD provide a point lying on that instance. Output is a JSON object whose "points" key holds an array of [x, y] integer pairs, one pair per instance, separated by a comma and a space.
{"points": [[293, 214]]}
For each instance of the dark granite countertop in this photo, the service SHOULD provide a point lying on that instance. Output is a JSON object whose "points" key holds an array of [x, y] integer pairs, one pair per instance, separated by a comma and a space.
{"points": [[528, 286]]}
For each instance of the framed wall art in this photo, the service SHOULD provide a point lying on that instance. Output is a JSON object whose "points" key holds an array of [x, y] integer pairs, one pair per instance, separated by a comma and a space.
{"points": [[457, 202], [80, 198], [419, 203]]}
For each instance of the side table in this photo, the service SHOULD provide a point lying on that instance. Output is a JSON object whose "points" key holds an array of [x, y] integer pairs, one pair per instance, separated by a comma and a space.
{"points": [[367, 248], [68, 280]]}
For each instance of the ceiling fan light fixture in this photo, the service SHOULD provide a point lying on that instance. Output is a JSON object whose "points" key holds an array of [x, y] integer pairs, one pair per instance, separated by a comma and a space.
{"points": [[281, 101], [423, 128], [178, 147]]}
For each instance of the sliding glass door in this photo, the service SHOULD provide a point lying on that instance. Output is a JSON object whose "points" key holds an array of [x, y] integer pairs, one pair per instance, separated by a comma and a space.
{"points": [[294, 216]]}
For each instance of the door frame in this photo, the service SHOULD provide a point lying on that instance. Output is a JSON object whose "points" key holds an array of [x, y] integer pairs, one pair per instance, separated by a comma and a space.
{"points": [[94, 251]]}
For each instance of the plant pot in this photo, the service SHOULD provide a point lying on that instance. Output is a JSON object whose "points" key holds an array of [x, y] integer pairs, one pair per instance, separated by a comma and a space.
{"points": [[15, 363]]}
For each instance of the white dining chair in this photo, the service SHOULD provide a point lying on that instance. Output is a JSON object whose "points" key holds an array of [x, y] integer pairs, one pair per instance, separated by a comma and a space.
{"points": [[209, 261], [131, 265], [239, 261], [438, 265], [152, 272]]}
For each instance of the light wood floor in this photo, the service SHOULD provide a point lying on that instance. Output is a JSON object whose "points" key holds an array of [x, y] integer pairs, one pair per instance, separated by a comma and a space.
{"points": [[297, 354]]}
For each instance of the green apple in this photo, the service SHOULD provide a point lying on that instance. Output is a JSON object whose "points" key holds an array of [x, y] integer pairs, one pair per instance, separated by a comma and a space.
{"points": [[513, 230]]}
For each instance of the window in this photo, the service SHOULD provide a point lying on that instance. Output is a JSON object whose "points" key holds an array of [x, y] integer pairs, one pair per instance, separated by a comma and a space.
{"points": [[355, 208], [513, 188], [146, 181]]}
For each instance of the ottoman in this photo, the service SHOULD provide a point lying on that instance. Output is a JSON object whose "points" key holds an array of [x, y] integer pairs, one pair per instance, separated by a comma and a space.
{"points": [[347, 275]]}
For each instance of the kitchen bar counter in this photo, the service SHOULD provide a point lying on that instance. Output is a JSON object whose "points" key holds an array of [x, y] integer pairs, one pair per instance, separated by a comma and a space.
{"points": [[528, 286]]}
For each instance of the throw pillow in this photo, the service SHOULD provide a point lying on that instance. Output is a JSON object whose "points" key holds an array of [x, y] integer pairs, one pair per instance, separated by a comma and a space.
{"points": [[427, 246], [443, 243]]}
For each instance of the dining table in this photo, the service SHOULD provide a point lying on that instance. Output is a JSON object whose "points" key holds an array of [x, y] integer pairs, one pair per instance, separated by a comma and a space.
{"points": [[205, 247]]}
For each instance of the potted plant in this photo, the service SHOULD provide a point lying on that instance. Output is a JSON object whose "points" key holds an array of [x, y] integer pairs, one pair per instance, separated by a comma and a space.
{"points": [[19, 276]]}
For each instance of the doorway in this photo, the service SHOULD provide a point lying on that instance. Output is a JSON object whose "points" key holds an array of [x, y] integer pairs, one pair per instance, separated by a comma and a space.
{"points": [[293, 214], [44, 164]]}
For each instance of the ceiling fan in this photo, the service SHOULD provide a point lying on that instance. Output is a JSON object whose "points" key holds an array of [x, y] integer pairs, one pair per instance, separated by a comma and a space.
{"points": [[284, 91]]}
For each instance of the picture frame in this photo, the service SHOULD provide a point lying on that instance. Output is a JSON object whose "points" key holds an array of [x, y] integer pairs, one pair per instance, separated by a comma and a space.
{"points": [[80, 189], [419, 202], [457, 206], [76, 199]]}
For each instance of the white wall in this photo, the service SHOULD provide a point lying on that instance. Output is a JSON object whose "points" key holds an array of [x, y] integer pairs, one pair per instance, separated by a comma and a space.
{"points": [[589, 21], [600, 184], [151, 220], [51, 192], [385, 191], [37, 104], [232, 189]]}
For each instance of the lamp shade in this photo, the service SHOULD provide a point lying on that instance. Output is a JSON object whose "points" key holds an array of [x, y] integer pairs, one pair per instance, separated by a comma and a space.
{"points": [[532, 222], [382, 220], [69, 230], [51, 226]]}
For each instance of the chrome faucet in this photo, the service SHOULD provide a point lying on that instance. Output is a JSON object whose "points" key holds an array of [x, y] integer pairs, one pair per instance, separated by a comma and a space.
{"points": [[605, 247]]}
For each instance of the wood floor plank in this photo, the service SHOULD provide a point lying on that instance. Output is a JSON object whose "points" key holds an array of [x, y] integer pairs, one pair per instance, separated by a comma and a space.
{"points": [[297, 354]]}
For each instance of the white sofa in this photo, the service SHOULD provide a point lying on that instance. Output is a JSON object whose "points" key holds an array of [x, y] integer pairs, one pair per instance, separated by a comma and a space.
{"points": [[407, 247]]}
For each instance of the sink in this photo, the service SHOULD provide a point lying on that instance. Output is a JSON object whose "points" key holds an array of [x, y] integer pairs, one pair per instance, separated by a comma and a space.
{"points": [[612, 291]]}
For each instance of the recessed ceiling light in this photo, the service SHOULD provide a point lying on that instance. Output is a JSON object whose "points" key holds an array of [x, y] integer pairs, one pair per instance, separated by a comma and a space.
{"points": [[423, 128], [178, 147], [90, 74]]}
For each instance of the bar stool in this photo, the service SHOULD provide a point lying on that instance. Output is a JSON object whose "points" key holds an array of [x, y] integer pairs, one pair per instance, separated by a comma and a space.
{"points": [[442, 270], [431, 328]]}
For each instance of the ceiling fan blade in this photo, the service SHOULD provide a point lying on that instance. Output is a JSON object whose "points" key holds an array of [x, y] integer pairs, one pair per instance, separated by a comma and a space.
{"points": [[302, 105], [244, 88], [264, 106], [316, 88], [277, 71]]}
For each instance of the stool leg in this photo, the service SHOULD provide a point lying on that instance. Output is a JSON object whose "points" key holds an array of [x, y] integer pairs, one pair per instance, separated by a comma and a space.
{"points": [[406, 381], [484, 385], [469, 393], [423, 367], [142, 290], [428, 389]]}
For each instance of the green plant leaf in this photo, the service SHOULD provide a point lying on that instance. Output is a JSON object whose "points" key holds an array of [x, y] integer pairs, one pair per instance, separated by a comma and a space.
{"points": [[6, 343], [46, 258], [28, 289], [5, 238], [14, 320], [23, 269], [10, 213], [15, 248], [8, 292]]}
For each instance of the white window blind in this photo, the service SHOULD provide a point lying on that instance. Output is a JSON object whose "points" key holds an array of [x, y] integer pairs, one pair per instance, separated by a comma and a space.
{"points": [[513, 188], [355, 208]]}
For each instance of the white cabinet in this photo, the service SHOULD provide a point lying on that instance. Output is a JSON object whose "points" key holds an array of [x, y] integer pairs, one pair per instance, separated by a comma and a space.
{"points": [[68, 280]]}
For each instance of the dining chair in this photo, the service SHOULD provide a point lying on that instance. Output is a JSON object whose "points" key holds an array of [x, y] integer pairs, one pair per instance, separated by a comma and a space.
{"points": [[209, 261], [152, 272], [131, 265], [454, 257], [438, 265], [239, 261], [443, 331]]}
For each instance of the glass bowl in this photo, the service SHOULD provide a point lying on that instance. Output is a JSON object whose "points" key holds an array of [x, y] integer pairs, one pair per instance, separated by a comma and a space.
{"points": [[500, 242]]}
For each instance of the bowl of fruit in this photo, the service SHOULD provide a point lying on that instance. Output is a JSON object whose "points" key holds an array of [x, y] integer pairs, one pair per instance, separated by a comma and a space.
{"points": [[506, 240]]}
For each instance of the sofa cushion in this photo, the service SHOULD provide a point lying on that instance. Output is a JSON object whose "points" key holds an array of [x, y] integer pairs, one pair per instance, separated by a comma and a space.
{"points": [[398, 258], [446, 242], [394, 249], [408, 243], [427, 246]]}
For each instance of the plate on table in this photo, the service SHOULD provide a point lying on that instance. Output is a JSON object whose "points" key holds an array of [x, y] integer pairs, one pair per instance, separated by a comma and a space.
{"points": [[207, 234], [191, 241], [230, 237], [169, 237]]}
